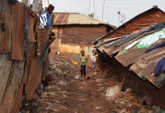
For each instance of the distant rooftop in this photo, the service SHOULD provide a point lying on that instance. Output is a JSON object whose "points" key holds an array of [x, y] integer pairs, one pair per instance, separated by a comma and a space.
{"points": [[65, 18]]}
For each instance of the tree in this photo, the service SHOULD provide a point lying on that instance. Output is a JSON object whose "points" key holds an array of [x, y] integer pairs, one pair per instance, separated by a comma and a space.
{"points": [[91, 15]]}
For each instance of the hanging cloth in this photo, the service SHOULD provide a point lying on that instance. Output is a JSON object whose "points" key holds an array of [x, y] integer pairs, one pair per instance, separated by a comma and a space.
{"points": [[149, 40], [160, 67], [131, 45], [43, 21], [48, 18], [162, 44]]}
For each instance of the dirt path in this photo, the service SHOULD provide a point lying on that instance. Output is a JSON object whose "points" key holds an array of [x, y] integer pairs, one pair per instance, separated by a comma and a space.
{"points": [[70, 95]]}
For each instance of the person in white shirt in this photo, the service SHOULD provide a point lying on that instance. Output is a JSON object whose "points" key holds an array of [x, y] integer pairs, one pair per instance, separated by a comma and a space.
{"points": [[93, 59]]}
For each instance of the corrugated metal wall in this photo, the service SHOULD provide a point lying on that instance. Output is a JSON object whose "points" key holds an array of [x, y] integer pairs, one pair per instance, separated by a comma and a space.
{"points": [[23, 49]]}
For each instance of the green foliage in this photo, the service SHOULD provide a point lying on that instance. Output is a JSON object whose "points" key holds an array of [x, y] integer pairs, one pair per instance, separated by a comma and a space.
{"points": [[91, 15]]}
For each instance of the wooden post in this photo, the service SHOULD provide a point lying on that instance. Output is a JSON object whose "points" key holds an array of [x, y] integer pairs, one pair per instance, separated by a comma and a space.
{"points": [[25, 2], [36, 4]]}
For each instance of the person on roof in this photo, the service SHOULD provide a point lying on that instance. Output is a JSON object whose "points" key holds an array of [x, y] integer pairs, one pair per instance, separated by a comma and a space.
{"points": [[160, 67], [83, 63]]}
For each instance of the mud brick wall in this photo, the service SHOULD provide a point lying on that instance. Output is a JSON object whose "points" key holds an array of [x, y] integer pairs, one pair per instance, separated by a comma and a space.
{"points": [[82, 34], [129, 79], [146, 19]]}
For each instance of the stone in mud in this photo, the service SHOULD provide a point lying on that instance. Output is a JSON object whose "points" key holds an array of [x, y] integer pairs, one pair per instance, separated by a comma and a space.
{"points": [[50, 77], [123, 89], [112, 91], [123, 111], [157, 109]]}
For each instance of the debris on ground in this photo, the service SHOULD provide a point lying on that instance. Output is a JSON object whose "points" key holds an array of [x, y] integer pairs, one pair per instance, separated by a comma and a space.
{"points": [[65, 94], [112, 91]]}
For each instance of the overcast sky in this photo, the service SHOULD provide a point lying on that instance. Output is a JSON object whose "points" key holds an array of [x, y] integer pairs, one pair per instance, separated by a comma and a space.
{"points": [[129, 8]]}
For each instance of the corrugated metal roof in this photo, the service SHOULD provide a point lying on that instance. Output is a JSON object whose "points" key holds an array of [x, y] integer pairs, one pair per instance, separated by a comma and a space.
{"points": [[62, 18], [143, 64]]}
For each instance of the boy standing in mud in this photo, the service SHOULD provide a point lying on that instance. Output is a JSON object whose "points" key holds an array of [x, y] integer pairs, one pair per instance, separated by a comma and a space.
{"points": [[83, 62]]}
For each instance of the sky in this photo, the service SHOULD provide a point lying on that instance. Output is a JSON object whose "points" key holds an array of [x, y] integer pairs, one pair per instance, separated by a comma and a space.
{"points": [[128, 8]]}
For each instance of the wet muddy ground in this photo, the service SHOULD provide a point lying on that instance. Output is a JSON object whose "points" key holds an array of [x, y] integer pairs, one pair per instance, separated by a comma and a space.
{"points": [[94, 94]]}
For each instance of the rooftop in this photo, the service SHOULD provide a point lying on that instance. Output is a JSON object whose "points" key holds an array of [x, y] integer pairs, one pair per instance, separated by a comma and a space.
{"points": [[70, 18], [139, 61]]}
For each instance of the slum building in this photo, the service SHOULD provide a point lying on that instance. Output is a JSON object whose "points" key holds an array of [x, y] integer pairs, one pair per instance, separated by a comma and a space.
{"points": [[24, 45], [122, 57], [145, 19], [76, 31], [134, 59]]}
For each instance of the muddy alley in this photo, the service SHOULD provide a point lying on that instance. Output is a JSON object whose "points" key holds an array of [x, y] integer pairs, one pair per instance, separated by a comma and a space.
{"points": [[66, 92]]}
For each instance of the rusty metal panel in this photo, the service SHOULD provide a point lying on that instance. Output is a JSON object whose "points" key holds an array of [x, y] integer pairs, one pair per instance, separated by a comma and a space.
{"points": [[41, 37], [36, 5], [133, 55], [146, 65], [141, 63], [18, 32], [32, 84], [5, 23], [61, 18], [19, 98], [16, 75], [5, 67], [75, 18], [31, 22], [5, 41]]}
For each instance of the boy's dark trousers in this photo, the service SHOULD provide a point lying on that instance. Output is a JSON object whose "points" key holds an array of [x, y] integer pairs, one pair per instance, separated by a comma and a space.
{"points": [[83, 70]]}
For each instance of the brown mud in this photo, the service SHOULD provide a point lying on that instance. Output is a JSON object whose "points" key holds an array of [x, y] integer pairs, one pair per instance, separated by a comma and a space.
{"points": [[66, 94]]}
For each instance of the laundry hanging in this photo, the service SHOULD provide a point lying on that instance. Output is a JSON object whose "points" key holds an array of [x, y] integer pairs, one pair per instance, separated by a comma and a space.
{"points": [[160, 67], [162, 44], [44, 20], [48, 18], [149, 40], [162, 34], [131, 45]]}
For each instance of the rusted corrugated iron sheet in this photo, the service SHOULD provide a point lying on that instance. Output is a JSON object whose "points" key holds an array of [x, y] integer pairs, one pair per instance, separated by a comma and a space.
{"points": [[5, 67], [145, 66], [32, 21], [17, 32], [5, 25], [16, 70], [36, 5], [64, 18], [18, 98], [16, 75], [61, 18], [41, 37], [137, 60], [32, 83]]}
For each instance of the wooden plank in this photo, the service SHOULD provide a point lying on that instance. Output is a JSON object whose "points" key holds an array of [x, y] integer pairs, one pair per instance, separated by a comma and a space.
{"points": [[25, 2], [31, 21], [16, 75], [32, 81], [36, 4], [41, 37], [146, 66], [5, 22], [5, 67], [18, 32], [19, 98]]}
